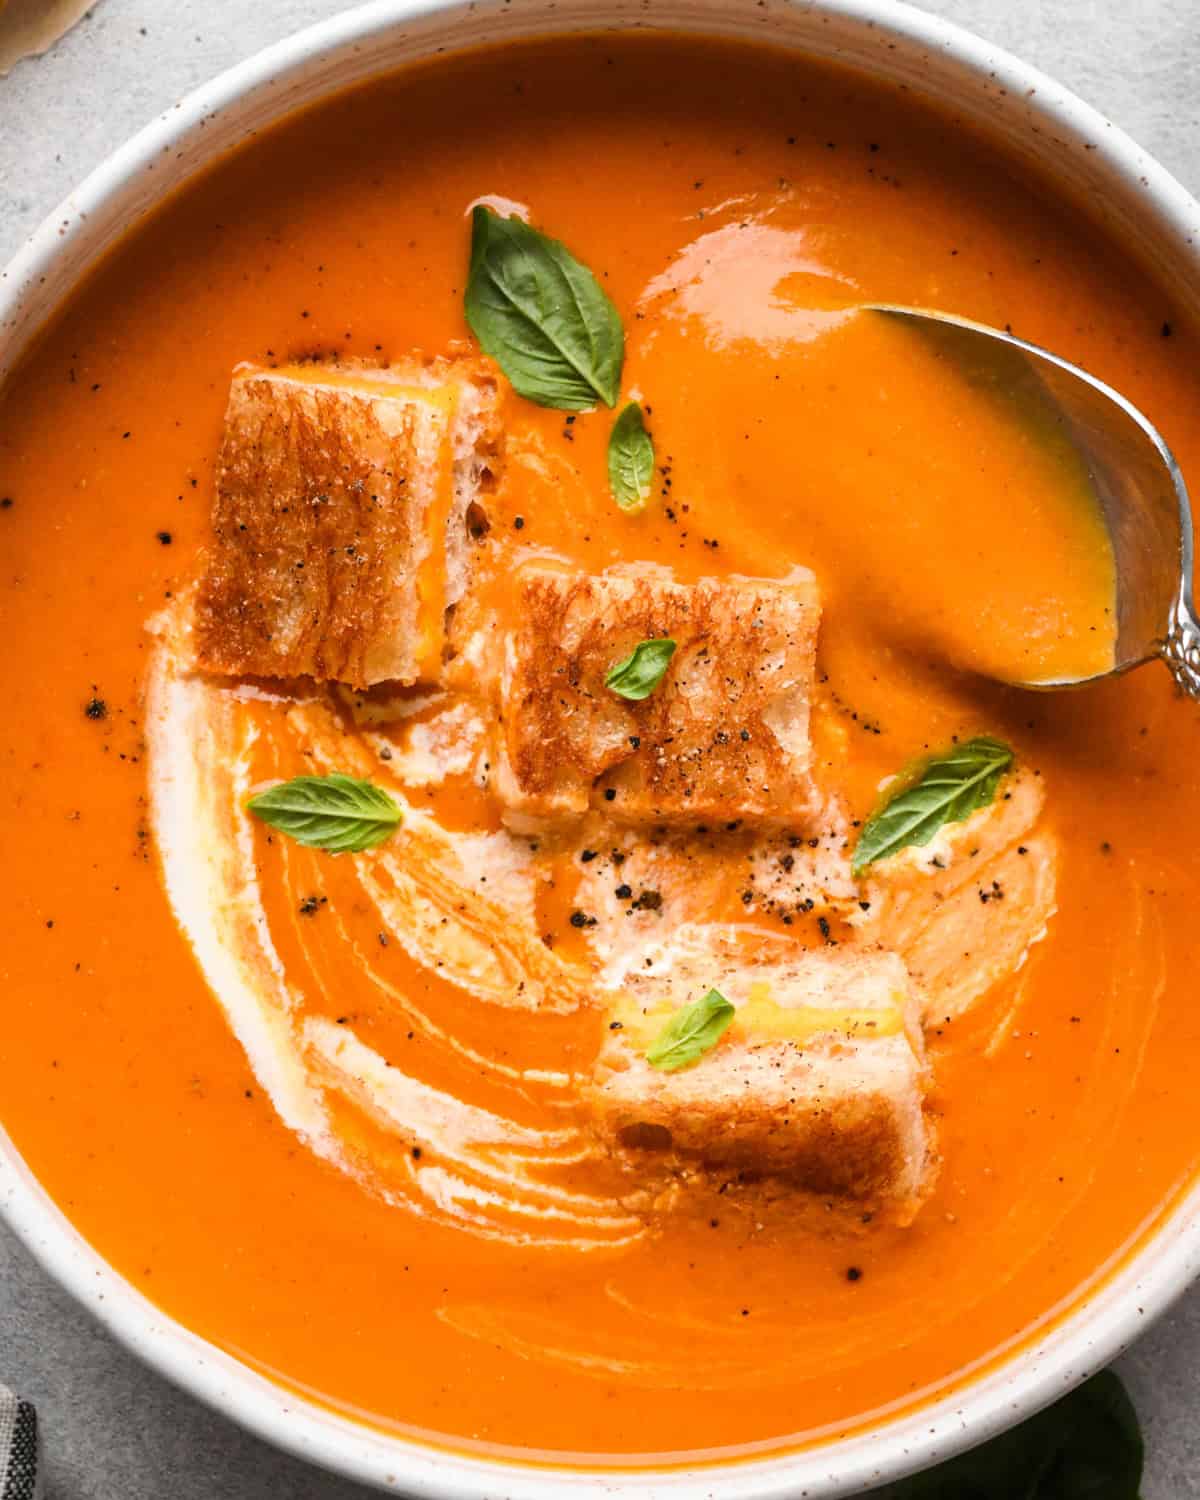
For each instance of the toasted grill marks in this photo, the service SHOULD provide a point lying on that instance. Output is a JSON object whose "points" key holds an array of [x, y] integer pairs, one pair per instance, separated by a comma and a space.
{"points": [[725, 735], [339, 520], [823, 1087]]}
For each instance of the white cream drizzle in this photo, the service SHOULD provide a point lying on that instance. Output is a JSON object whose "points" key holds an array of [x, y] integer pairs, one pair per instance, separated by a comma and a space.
{"points": [[212, 885], [477, 1169]]}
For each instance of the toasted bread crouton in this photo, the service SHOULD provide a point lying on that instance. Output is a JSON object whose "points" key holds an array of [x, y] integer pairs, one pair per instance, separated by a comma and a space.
{"points": [[723, 736], [819, 1080], [341, 518], [964, 910]]}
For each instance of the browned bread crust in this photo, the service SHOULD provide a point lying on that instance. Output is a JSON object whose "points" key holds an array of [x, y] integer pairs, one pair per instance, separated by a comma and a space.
{"points": [[339, 519], [837, 1112], [725, 735]]}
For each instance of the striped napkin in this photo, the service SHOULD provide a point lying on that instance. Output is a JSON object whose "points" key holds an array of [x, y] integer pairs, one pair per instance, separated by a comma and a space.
{"points": [[18, 1449]]}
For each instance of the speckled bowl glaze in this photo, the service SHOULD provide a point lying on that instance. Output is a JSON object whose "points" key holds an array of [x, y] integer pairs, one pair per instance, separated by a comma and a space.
{"points": [[1134, 201]]}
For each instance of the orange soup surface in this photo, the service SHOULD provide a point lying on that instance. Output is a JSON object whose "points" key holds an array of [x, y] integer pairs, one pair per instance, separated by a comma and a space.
{"points": [[739, 208]]}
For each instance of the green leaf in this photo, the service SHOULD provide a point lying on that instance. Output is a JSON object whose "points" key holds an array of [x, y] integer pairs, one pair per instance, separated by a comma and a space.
{"points": [[642, 670], [337, 813], [691, 1032], [630, 459], [543, 317], [1088, 1446], [939, 789]]}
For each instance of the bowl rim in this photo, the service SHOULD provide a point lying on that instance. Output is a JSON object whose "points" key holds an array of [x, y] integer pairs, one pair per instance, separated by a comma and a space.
{"points": [[1090, 1329]]}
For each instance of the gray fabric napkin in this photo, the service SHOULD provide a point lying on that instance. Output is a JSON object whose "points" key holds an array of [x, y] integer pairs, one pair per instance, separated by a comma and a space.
{"points": [[18, 1449]]}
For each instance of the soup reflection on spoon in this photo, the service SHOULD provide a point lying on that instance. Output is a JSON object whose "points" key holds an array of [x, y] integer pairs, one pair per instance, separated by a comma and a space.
{"points": [[1124, 498]]}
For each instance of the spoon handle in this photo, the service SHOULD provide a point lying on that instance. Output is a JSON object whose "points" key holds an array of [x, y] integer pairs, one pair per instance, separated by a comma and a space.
{"points": [[1181, 649]]}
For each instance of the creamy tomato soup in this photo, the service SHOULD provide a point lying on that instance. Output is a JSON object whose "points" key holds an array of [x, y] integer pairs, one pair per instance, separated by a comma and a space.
{"points": [[642, 1054]]}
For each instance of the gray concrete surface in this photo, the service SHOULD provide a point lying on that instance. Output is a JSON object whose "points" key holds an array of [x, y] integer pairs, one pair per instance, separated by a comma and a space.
{"points": [[114, 1431]]}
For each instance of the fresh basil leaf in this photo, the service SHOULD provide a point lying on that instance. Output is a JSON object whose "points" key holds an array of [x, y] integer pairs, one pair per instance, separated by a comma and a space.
{"points": [[630, 459], [642, 670], [691, 1032], [543, 317], [1088, 1446], [939, 789], [337, 813]]}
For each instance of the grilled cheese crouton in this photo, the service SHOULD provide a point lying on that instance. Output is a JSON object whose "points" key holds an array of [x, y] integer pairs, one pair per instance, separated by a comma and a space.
{"points": [[723, 736], [819, 1080], [964, 910], [341, 518]]}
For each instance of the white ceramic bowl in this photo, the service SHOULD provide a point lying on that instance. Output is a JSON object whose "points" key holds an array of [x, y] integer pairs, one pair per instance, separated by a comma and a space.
{"points": [[1139, 205]]}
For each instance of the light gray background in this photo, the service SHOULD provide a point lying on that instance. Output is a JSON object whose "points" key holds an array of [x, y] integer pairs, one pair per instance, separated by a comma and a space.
{"points": [[114, 1431]]}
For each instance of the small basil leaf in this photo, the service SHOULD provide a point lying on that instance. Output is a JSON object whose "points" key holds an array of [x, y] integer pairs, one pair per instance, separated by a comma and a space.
{"points": [[630, 459], [691, 1032], [1088, 1446], [641, 671], [337, 813], [543, 317], [940, 789]]}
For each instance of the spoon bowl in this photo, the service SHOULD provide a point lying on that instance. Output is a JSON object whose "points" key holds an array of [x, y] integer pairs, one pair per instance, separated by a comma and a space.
{"points": [[1131, 474]]}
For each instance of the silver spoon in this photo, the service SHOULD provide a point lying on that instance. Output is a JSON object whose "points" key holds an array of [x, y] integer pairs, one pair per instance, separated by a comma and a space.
{"points": [[1130, 470]]}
